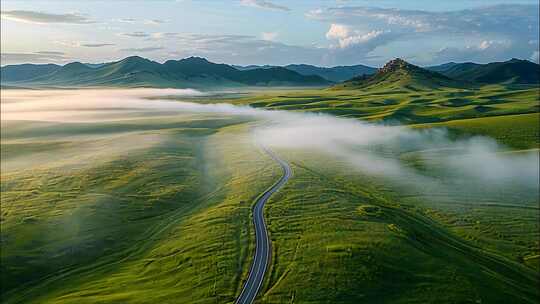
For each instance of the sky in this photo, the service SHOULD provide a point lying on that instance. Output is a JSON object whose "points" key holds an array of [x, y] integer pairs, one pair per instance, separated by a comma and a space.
{"points": [[275, 32]]}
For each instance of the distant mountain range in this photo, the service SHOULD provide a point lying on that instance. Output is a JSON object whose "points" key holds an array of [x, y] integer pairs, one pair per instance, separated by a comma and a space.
{"points": [[196, 72], [334, 74], [514, 71], [193, 72]]}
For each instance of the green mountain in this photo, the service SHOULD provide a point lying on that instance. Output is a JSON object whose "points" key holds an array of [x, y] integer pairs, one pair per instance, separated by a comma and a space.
{"points": [[335, 74], [21, 72], [398, 74], [140, 72], [514, 71], [253, 67], [442, 67]]}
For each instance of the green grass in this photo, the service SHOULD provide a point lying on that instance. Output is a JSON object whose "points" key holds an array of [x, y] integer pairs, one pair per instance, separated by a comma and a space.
{"points": [[150, 209], [460, 110], [403, 106], [323, 235], [341, 237], [163, 210], [517, 131]]}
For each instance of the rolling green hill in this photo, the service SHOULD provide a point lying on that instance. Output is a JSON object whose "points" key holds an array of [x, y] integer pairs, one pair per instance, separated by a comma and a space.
{"points": [[399, 74]]}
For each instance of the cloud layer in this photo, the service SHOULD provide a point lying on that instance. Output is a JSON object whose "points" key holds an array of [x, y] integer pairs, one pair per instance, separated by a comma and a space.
{"points": [[36, 57], [43, 18], [264, 5], [349, 35], [480, 34], [96, 45], [142, 49]]}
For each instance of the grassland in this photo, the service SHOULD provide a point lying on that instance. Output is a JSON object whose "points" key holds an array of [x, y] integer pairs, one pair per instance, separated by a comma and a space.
{"points": [[454, 108], [139, 210], [156, 208], [355, 255], [341, 237]]}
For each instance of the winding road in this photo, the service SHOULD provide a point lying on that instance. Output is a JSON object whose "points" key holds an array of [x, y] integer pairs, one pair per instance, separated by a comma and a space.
{"points": [[262, 246]]}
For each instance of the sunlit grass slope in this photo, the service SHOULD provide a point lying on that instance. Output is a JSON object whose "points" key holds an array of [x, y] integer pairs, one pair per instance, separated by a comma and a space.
{"points": [[501, 222], [136, 211], [342, 237]]}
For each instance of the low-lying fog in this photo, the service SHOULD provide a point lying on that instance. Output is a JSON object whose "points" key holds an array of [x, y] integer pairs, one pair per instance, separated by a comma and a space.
{"points": [[370, 148]]}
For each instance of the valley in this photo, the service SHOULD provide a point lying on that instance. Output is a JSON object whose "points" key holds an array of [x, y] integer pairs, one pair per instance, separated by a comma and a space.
{"points": [[270, 152], [407, 186]]}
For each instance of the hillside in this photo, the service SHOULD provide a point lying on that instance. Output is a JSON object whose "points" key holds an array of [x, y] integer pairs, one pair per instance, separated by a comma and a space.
{"points": [[451, 68], [398, 74], [514, 71], [140, 72], [334, 74], [20, 72]]}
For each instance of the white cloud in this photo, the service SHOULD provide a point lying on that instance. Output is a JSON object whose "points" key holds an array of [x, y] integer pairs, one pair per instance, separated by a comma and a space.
{"points": [[76, 44], [143, 49], [264, 4], [67, 43], [337, 31], [487, 44], [153, 21], [126, 20], [50, 53], [360, 38], [477, 53], [161, 35], [135, 34], [96, 45], [347, 37], [43, 18], [269, 36], [492, 33], [145, 21], [484, 45], [535, 57], [238, 49], [36, 57]]}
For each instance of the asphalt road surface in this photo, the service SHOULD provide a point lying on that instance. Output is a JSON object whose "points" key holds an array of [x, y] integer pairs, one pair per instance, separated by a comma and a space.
{"points": [[262, 247]]}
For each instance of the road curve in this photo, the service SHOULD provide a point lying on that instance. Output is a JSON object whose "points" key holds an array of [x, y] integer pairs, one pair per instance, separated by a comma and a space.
{"points": [[262, 246]]}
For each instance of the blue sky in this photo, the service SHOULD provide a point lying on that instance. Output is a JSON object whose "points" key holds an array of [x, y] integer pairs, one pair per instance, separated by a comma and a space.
{"points": [[326, 33]]}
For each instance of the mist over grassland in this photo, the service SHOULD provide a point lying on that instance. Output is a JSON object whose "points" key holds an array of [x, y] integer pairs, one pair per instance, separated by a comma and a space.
{"points": [[163, 188], [476, 163], [371, 148]]}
